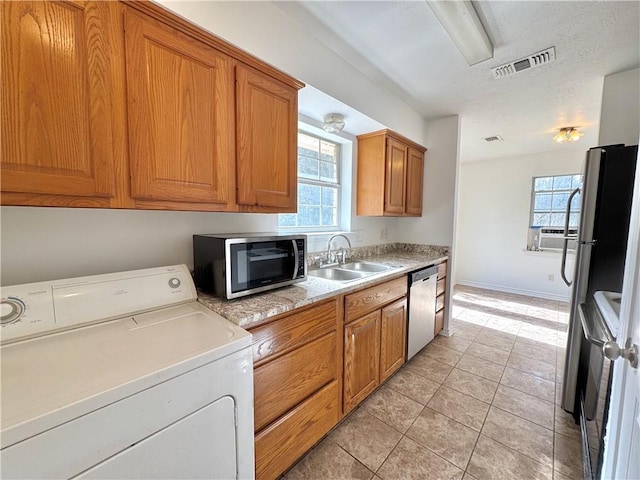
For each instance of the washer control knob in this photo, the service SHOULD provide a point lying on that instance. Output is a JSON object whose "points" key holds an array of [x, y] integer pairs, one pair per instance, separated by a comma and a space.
{"points": [[174, 282], [12, 310]]}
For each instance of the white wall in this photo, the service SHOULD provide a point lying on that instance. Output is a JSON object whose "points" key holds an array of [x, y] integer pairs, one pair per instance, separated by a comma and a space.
{"points": [[494, 202], [47, 243], [620, 114]]}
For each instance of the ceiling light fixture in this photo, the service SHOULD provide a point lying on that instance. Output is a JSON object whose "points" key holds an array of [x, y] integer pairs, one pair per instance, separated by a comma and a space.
{"points": [[333, 123], [568, 134], [463, 25]]}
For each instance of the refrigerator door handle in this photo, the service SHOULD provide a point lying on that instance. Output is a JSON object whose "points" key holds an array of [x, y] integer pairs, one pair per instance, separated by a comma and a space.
{"points": [[563, 273]]}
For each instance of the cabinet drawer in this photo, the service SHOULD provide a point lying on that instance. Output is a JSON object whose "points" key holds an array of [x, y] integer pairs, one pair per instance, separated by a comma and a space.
{"points": [[360, 303], [286, 381], [439, 302], [278, 446], [440, 286], [439, 324], [293, 331], [442, 270]]}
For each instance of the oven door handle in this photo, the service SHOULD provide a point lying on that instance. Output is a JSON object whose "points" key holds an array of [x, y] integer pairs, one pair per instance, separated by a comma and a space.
{"points": [[296, 262], [594, 327]]}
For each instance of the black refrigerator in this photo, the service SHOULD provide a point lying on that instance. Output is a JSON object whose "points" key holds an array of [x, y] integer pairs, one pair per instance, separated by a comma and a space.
{"points": [[603, 230]]}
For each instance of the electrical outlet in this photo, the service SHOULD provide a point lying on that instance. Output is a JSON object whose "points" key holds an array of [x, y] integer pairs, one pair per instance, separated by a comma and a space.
{"points": [[551, 277], [383, 233]]}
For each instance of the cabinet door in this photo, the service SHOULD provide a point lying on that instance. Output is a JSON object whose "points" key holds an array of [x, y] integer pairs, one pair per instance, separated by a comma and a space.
{"points": [[180, 114], [415, 173], [393, 338], [361, 359], [266, 141], [57, 88], [395, 179]]}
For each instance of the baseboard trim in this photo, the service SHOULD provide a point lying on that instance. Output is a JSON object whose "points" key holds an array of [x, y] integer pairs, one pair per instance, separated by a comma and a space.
{"points": [[517, 291]]}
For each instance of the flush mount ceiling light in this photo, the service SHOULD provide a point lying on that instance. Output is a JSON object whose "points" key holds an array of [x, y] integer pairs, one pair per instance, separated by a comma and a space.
{"points": [[568, 134], [463, 25], [333, 123]]}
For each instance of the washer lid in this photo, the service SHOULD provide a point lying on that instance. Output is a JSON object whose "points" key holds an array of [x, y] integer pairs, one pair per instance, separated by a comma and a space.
{"points": [[52, 379]]}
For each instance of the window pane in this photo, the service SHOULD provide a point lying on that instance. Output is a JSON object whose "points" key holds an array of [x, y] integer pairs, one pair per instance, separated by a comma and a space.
{"points": [[308, 216], [308, 167], [541, 219], [287, 220], [329, 216], [329, 197], [557, 220], [576, 181], [559, 203], [308, 194], [543, 183], [308, 145], [574, 219], [542, 201], [328, 172], [563, 182], [328, 152]]}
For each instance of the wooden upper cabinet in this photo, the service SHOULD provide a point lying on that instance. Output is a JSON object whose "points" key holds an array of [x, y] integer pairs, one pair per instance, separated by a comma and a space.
{"points": [[180, 109], [390, 175], [415, 174], [57, 131], [266, 141]]}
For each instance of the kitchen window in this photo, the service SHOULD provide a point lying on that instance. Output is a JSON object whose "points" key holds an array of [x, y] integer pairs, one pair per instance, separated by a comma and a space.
{"points": [[319, 189], [549, 201]]}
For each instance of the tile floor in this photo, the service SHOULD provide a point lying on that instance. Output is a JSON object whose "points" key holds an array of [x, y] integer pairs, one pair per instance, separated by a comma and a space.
{"points": [[481, 404]]}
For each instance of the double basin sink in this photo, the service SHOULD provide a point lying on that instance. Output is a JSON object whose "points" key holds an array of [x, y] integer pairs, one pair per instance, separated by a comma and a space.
{"points": [[349, 272]]}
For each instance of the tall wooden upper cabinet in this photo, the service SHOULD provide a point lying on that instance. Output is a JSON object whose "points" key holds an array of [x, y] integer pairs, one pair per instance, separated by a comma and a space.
{"points": [[390, 173], [57, 85], [126, 105]]}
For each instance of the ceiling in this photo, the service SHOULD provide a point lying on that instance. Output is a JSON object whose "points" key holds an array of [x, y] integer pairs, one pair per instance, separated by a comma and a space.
{"points": [[402, 46]]}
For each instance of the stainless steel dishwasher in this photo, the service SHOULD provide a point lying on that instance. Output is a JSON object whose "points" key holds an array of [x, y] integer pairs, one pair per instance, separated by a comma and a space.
{"points": [[422, 309]]}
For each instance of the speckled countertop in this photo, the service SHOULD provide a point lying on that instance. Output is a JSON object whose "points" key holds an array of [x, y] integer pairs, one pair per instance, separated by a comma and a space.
{"points": [[253, 309]]}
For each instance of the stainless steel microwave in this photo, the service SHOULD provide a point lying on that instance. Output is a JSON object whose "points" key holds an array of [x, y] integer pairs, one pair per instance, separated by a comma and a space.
{"points": [[235, 265]]}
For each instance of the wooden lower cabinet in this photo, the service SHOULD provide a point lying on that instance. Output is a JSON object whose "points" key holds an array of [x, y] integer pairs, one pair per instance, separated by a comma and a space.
{"points": [[361, 359], [441, 297], [297, 384], [393, 338]]}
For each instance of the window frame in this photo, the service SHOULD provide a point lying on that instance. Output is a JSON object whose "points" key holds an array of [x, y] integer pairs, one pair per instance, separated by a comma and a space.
{"points": [[321, 183], [532, 211]]}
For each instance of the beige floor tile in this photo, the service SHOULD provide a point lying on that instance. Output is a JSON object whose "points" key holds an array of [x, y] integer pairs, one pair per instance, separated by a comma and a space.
{"points": [[493, 461], [566, 425], [549, 312], [528, 383], [503, 324], [481, 367], [411, 461], [366, 438], [328, 461], [465, 330], [473, 385], [559, 476], [473, 317], [525, 406], [495, 341], [460, 407], [558, 394], [532, 440], [441, 354], [534, 349], [468, 477], [392, 408], [451, 440], [546, 371], [429, 368], [568, 457], [488, 353], [499, 333], [454, 342], [414, 386]]}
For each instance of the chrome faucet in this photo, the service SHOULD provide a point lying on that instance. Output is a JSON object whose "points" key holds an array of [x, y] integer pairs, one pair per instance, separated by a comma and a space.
{"points": [[344, 254]]}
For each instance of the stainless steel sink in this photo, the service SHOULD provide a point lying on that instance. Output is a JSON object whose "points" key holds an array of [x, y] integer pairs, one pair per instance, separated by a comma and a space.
{"points": [[339, 274], [366, 267]]}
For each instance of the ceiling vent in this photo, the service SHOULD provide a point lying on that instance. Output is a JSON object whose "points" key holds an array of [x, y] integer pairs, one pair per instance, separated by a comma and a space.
{"points": [[495, 138], [532, 61]]}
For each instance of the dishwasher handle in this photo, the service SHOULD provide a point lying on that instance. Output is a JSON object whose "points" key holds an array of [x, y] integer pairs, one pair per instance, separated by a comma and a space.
{"points": [[423, 274]]}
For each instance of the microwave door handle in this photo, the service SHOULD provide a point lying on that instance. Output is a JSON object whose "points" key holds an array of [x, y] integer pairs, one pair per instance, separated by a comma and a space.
{"points": [[566, 238], [295, 260]]}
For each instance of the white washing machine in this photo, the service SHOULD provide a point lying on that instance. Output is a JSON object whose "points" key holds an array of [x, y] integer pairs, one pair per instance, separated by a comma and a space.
{"points": [[123, 375]]}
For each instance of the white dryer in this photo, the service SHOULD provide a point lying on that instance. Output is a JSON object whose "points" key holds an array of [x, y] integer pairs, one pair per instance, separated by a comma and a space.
{"points": [[123, 375]]}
